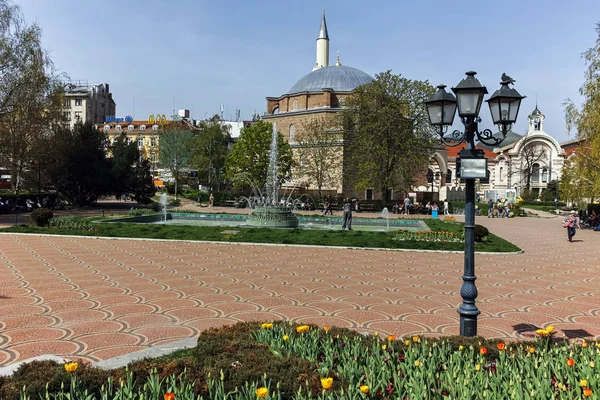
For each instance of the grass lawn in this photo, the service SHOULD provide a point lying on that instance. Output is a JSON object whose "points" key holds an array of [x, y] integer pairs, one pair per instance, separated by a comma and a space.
{"points": [[355, 238], [281, 360]]}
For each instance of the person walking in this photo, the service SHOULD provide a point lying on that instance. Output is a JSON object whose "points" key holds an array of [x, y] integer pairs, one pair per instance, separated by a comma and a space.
{"points": [[491, 208], [407, 205], [347, 208], [446, 207], [571, 223]]}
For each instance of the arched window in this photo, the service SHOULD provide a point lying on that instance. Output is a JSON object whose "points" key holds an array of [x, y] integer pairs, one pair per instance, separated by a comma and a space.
{"points": [[501, 177], [276, 110], [142, 127], [295, 105], [140, 141], [106, 128], [449, 176], [535, 173], [118, 128], [130, 127], [292, 131], [154, 127]]}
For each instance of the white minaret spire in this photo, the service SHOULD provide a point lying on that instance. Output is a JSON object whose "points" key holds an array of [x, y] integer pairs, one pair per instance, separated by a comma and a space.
{"points": [[322, 45]]}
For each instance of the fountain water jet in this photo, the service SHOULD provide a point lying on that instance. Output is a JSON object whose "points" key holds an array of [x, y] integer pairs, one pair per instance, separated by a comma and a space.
{"points": [[268, 210]]}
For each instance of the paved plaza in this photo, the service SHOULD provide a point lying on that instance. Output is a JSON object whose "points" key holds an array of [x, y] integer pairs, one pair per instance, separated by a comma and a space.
{"points": [[99, 298]]}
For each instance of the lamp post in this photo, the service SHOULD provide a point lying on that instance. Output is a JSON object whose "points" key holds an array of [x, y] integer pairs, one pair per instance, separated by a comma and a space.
{"points": [[441, 106]]}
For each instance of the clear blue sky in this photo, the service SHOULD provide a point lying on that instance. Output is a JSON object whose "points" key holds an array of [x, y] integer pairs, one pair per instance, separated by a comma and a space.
{"points": [[237, 52]]}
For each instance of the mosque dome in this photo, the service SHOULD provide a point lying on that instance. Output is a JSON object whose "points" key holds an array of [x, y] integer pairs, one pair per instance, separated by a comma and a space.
{"points": [[339, 78]]}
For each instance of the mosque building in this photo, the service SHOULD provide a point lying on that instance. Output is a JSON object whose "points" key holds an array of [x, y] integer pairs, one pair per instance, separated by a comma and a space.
{"points": [[318, 94]]}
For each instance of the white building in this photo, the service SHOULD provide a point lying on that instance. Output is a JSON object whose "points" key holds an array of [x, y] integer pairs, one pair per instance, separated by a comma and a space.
{"points": [[87, 103], [520, 162]]}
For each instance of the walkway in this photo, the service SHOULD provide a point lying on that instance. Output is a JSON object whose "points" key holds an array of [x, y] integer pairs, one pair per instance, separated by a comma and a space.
{"points": [[99, 298]]}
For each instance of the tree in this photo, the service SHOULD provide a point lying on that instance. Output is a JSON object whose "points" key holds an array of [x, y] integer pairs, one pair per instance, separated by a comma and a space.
{"points": [[586, 120], [249, 156], [30, 95], [533, 156], [130, 174], [320, 150], [390, 137], [79, 168], [175, 150], [210, 147]]}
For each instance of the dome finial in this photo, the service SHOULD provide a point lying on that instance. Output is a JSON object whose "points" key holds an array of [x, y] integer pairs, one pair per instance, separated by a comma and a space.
{"points": [[337, 63]]}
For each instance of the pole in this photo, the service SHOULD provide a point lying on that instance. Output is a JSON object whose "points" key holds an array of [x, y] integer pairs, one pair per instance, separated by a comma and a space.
{"points": [[468, 310]]}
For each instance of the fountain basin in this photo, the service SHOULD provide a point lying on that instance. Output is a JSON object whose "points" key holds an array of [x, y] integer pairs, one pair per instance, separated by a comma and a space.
{"points": [[272, 217]]}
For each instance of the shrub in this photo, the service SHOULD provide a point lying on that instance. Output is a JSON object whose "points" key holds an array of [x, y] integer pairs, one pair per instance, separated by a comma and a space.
{"points": [[480, 233], [174, 202], [41, 216], [155, 206]]}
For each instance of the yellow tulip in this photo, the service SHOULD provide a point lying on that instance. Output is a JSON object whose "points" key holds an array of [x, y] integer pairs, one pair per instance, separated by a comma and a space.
{"points": [[461, 347], [592, 364], [416, 339], [550, 328], [71, 367], [417, 363], [532, 349], [364, 389], [376, 333], [326, 383], [266, 326], [477, 367], [383, 347], [302, 328], [262, 392], [583, 383], [406, 342], [285, 337], [584, 344]]}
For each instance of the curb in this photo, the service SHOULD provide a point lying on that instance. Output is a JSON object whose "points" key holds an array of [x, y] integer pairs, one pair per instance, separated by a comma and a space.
{"points": [[111, 363]]}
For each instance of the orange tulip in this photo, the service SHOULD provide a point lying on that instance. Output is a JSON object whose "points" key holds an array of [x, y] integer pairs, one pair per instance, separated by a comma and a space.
{"points": [[532, 349], [169, 396], [584, 344], [326, 328], [587, 392], [501, 346], [261, 392], [302, 328], [483, 350], [416, 339], [570, 362], [391, 338]]}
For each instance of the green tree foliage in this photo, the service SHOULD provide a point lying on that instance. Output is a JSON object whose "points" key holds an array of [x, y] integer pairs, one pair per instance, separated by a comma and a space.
{"points": [[585, 174], [79, 168], [130, 174], [175, 150], [249, 157], [320, 150], [30, 96], [210, 147], [390, 137]]}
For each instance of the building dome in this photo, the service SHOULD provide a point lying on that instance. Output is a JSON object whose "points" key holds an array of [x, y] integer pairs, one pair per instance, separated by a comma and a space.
{"points": [[339, 78]]}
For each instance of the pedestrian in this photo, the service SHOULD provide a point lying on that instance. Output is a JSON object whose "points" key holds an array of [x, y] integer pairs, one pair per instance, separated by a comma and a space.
{"points": [[571, 223], [446, 207], [407, 205], [347, 208], [491, 208]]}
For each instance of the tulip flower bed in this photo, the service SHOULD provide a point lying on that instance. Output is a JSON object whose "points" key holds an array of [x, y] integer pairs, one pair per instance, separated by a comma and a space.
{"points": [[281, 360], [430, 236]]}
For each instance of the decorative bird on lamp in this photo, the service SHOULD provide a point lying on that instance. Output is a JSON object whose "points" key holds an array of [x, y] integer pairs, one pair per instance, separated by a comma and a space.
{"points": [[506, 78]]}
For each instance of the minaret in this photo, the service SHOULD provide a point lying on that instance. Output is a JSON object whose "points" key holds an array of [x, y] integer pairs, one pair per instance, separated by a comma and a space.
{"points": [[322, 45]]}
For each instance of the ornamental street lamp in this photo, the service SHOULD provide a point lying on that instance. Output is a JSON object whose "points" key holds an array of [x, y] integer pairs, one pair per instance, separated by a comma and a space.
{"points": [[441, 106]]}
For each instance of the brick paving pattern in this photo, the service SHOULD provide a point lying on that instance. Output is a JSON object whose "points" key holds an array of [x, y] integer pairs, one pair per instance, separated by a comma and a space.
{"points": [[99, 298]]}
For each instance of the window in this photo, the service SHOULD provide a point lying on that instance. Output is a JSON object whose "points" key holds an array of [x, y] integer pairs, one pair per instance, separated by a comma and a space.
{"points": [[152, 141], [67, 115], [295, 105], [449, 176], [130, 127], [292, 131], [140, 142], [142, 127], [535, 173], [154, 127], [128, 140], [369, 194], [276, 110], [78, 115], [118, 128], [106, 128], [78, 102], [501, 174], [544, 175], [68, 103], [153, 158]]}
